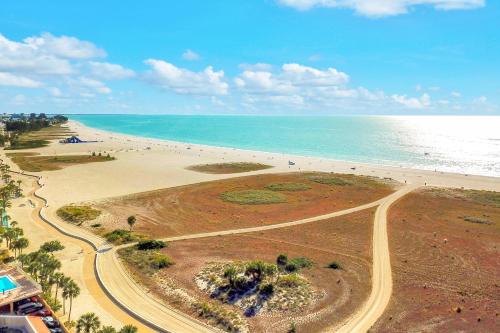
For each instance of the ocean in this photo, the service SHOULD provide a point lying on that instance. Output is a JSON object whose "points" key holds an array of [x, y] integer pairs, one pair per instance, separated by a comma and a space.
{"points": [[462, 144]]}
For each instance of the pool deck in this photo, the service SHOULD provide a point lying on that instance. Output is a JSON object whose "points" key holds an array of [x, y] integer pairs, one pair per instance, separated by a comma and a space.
{"points": [[26, 287]]}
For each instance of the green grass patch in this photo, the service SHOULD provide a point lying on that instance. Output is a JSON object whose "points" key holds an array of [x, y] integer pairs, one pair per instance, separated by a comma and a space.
{"points": [[146, 261], [33, 163], [288, 187], [28, 144], [330, 180], [233, 167], [78, 214], [253, 197], [121, 236]]}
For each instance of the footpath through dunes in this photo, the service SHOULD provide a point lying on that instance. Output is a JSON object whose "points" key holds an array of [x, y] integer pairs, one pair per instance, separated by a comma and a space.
{"points": [[242, 202], [329, 295], [374, 307], [445, 254]]}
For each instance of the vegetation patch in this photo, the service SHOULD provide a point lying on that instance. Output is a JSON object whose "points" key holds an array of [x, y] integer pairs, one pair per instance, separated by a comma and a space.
{"points": [[227, 320], [78, 214], [255, 286], [288, 187], [330, 180], [32, 163], [234, 167], [477, 220], [147, 261], [253, 197], [121, 236]]}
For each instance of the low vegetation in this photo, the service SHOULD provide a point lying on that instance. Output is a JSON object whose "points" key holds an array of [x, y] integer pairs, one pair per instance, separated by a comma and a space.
{"points": [[122, 236], [253, 197], [234, 167], [257, 286], [229, 321], [330, 180], [33, 163], [288, 187], [146, 256], [477, 220], [78, 214]]}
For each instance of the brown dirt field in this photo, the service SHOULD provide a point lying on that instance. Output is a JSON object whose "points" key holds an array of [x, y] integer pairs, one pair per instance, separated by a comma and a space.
{"points": [[199, 208], [224, 168], [345, 239], [434, 277]]}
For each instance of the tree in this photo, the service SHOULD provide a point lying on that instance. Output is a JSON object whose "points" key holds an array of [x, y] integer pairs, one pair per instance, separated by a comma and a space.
{"points": [[107, 329], [64, 283], [128, 329], [19, 245], [51, 246], [71, 290], [58, 279], [88, 323], [131, 221]]}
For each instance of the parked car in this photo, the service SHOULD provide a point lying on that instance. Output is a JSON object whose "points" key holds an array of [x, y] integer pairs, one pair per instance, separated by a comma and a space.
{"points": [[26, 300], [29, 308], [42, 313], [50, 322]]}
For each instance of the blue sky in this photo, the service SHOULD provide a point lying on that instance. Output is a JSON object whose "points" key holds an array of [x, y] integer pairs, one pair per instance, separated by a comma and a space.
{"points": [[251, 57]]}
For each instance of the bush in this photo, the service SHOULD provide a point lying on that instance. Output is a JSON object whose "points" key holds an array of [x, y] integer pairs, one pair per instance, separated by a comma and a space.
{"points": [[290, 281], [334, 265], [267, 289], [120, 236], [282, 260], [330, 180], [78, 214], [160, 261], [151, 245], [297, 264]]}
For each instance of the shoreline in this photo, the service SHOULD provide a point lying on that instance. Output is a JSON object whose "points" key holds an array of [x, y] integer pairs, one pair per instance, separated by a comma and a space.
{"points": [[303, 163]]}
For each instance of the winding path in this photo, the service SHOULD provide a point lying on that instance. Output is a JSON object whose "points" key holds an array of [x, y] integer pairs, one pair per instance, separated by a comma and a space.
{"points": [[150, 313]]}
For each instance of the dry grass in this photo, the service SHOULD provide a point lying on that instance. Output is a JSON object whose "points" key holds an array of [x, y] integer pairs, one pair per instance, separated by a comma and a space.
{"points": [[78, 214], [33, 163], [234, 167], [253, 197], [446, 262], [199, 207], [337, 293]]}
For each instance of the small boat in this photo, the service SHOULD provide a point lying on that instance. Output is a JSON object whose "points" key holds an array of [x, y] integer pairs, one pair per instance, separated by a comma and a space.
{"points": [[291, 163]]}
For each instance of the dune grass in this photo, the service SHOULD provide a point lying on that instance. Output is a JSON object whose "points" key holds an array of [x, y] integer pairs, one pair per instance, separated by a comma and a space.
{"points": [[232, 167], [288, 187], [78, 214], [33, 163], [253, 197], [40, 138], [330, 180]]}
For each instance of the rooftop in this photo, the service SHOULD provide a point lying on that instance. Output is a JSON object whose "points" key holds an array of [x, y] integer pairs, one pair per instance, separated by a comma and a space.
{"points": [[22, 324], [25, 286]]}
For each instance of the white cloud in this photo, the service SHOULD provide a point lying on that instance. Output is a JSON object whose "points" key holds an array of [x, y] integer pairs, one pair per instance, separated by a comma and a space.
{"points": [[64, 47], [257, 67], [190, 55], [380, 8], [481, 100], [413, 102], [184, 81], [7, 79], [54, 91], [94, 85], [455, 94], [108, 71]]}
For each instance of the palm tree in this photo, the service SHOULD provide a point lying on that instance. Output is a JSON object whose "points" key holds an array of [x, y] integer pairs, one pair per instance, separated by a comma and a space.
{"points": [[128, 329], [107, 329], [131, 221], [20, 244], [71, 290], [58, 279], [88, 323]]}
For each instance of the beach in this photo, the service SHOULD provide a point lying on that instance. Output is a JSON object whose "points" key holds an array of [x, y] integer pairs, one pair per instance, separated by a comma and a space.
{"points": [[144, 164]]}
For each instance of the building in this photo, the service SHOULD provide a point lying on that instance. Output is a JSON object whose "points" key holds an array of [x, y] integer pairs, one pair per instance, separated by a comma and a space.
{"points": [[22, 324], [15, 285]]}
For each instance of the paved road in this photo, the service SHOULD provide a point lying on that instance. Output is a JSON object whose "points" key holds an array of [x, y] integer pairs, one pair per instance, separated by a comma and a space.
{"points": [[381, 292]]}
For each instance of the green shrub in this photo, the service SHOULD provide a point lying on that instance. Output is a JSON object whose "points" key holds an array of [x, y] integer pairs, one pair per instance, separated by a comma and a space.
{"points": [[78, 214], [297, 264], [267, 289], [290, 281], [334, 265], [120, 236], [151, 245], [330, 180]]}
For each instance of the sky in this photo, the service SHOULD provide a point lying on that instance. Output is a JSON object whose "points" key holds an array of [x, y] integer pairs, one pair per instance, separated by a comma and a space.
{"points": [[269, 57]]}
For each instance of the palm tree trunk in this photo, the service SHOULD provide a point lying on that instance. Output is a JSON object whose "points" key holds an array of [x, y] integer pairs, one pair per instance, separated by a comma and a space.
{"points": [[64, 306], [70, 306]]}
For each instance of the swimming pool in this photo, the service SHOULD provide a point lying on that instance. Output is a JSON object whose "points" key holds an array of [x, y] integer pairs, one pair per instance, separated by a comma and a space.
{"points": [[6, 284]]}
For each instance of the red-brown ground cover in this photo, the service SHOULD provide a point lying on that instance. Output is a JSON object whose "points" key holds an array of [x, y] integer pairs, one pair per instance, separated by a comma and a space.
{"points": [[200, 208], [345, 239], [446, 266]]}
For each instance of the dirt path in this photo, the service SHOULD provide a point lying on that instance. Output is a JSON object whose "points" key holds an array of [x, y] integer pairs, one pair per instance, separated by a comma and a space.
{"points": [[381, 292], [130, 295]]}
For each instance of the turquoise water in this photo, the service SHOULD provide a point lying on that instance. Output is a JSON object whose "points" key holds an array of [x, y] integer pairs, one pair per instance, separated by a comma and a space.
{"points": [[6, 284], [468, 145]]}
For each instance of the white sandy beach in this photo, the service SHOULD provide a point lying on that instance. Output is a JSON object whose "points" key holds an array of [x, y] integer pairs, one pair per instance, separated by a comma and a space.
{"points": [[144, 164]]}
